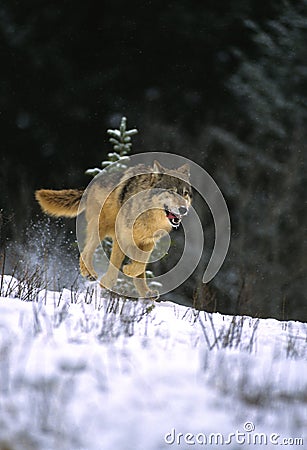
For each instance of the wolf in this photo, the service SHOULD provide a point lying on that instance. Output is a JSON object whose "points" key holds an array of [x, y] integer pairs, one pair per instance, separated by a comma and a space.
{"points": [[134, 208]]}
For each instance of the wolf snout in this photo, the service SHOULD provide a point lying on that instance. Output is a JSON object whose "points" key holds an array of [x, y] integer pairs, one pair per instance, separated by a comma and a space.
{"points": [[176, 211], [183, 210]]}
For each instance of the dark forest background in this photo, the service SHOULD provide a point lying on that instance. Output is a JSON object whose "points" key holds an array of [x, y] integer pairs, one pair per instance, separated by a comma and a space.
{"points": [[223, 83]]}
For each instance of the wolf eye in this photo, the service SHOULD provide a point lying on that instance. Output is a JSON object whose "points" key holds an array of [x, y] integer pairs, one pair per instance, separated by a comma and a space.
{"points": [[186, 193]]}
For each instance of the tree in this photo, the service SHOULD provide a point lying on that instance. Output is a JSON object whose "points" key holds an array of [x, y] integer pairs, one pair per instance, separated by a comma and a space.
{"points": [[263, 159]]}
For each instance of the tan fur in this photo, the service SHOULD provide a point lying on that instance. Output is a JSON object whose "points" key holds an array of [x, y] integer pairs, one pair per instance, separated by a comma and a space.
{"points": [[59, 203], [101, 212]]}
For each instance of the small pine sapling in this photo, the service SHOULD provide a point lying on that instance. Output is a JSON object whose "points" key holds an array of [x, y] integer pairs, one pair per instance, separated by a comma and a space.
{"points": [[121, 141]]}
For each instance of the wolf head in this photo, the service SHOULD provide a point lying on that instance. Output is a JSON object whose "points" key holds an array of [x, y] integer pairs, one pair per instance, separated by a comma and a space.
{"points": [[172, 191]]}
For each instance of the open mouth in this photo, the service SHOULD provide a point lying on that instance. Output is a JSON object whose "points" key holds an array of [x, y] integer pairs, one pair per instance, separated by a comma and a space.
{"points": [[174, 219]]}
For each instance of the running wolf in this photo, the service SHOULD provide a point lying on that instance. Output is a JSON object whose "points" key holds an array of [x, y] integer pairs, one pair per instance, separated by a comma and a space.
{"points": [[134, 208]]}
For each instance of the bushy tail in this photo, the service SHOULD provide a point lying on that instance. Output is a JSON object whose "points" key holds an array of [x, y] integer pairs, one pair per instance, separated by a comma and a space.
{"points": [[60, 203]]}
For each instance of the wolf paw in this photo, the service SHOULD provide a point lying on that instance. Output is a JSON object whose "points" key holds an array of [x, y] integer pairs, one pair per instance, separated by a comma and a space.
{"points": [[153, 294], [90, 277], [107, 283], [133, 269]]}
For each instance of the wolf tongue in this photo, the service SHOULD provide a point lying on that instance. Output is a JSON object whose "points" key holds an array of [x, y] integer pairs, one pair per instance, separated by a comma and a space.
{"points": [[171, 216]]}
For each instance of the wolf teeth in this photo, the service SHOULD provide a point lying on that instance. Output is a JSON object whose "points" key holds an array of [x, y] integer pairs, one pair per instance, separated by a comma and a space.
{"points": [[175, 222]]}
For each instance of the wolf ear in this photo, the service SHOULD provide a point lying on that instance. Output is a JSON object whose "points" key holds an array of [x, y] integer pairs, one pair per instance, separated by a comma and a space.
{"points": [[157, 167], [185, 169]]}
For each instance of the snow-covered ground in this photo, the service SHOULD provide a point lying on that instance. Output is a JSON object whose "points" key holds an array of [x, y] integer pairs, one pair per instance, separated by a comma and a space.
{"points": [[79, 371]]}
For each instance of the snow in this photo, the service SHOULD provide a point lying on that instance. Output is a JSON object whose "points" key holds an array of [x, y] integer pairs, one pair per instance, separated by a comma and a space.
{"points": [[101, 374]]}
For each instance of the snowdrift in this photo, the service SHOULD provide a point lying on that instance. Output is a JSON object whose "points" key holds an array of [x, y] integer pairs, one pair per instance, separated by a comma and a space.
{"points": [[79, 371]]}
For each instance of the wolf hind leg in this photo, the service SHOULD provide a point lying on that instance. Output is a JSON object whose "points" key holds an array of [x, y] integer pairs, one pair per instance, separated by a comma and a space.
{"points": [[93, 239], [86, 269]]}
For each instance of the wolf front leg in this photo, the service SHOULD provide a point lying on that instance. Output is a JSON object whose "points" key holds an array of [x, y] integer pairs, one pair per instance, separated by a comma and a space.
{"points": [[137, 267], [136, 270], [142, 287], [109, 279]]}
